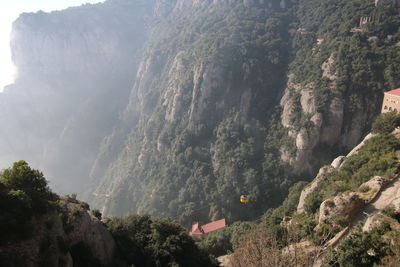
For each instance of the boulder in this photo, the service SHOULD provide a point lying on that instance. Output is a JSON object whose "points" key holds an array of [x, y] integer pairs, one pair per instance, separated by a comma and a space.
{"points": [[379, 219], [346, 205], [396, 204], [57, 234], [86, 229], [314, 186], [369, 190], [360, 145], [337, 162]]}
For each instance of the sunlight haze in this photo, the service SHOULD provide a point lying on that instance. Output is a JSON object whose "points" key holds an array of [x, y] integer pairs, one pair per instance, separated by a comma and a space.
{"points": [[9, 11]]}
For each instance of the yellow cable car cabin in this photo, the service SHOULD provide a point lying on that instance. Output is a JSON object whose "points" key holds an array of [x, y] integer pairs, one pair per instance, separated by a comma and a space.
{"points": [[244, 199]]}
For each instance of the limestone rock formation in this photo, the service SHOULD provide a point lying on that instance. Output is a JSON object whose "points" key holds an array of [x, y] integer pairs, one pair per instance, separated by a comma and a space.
{"points": [[58, 238], [337, 162], [314, 186], [379, 219], [345, 205], [360, 145], [84, 228], [73, 77], [164, 106], [371, 188]]}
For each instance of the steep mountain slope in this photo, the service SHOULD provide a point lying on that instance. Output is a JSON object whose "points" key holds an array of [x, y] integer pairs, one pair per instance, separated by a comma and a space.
{"points": [[207, 129], [75, 70], [202, 97], [176, 108], [349, 215], [345, 59]]}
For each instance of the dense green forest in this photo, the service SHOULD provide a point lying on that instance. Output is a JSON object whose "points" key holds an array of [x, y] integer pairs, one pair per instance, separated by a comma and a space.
{"points": [[213, 100], [26, 201], [181, 107], [284, 228], [245, 43], [211, 126]]}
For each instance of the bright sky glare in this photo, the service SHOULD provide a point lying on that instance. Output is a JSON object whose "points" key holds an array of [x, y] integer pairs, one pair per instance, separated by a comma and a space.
{"points": [[9, 11]]}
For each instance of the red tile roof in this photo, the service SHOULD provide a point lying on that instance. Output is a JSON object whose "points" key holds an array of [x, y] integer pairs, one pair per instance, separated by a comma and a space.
{"points": [[198, 229], [212, 226], [394, 92]]}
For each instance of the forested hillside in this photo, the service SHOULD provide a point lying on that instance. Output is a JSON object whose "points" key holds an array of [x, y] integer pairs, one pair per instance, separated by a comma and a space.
{"points": [[349, 215], [249, 100], [40, 228], [183, 106]]}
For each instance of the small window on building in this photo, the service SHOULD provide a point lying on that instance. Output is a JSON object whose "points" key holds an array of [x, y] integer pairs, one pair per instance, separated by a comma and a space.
{"points": [[390, 108], [385, 107]]}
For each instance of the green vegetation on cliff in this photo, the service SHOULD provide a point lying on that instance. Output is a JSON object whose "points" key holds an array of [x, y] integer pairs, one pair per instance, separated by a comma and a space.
{"points": [[31, 214], [228, 98], [372, 242], [142, 241], [211, 148], [23, 193], [210, 125]]}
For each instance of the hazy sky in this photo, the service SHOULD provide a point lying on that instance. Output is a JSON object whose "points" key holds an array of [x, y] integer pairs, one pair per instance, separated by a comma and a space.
{"points": [[9, 11]]}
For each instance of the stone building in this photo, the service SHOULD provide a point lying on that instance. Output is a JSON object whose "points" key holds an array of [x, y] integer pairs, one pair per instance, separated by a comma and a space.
{"points": [[391, 101]]}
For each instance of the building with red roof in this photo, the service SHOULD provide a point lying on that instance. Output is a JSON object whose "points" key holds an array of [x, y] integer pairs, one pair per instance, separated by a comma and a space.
{"points": [[199, 229], [391, 101]]}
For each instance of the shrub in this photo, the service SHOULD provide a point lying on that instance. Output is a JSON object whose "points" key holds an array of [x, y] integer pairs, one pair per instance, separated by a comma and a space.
{"points": [[225, 240], [323, 233], [96, 213], [84, 205], [330, 203], [364, 189], [23, 193], [386, 123], [360, 249], [304, 224], [390, 211], [312, 202], [376, 157], [144, 242]]}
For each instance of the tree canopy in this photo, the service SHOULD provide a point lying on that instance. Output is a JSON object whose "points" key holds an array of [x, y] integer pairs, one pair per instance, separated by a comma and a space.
{"points": [[23, 193]]}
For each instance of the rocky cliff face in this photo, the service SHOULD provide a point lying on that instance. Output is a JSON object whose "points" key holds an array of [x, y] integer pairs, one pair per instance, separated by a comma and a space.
{"points": [[182, 98], [73, 77], [178, 107], [60, 239]]}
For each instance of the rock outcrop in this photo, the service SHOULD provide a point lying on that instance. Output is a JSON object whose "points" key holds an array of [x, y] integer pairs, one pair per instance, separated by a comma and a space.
{"points": [[370, 198], [370, 189], [336, 163], [169, 105], [314, 186], [61, 238], [344, 206], [377, 220], [73, 77], [360, 145]]}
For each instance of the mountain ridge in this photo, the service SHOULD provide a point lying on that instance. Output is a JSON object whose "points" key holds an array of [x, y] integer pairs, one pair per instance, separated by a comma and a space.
{"points": [[210, 101]]}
